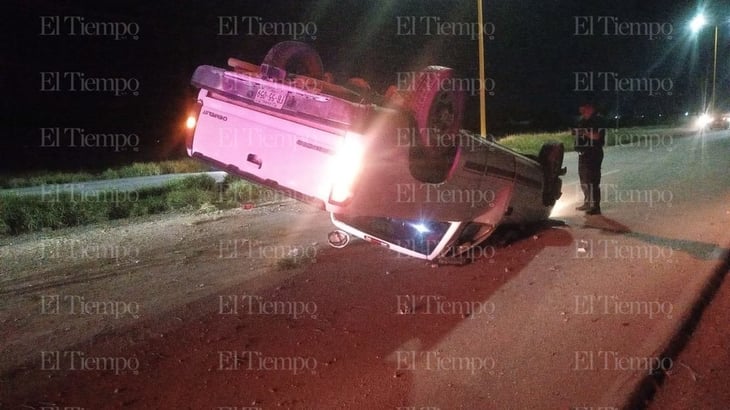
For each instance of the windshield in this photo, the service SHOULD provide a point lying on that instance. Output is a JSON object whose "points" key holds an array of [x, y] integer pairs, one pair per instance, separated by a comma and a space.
{"points": [[418, 236]]}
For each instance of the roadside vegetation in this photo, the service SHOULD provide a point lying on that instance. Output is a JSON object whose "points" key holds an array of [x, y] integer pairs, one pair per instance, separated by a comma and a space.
{"points": [[642, 136], [137, 169], [54, 210]]}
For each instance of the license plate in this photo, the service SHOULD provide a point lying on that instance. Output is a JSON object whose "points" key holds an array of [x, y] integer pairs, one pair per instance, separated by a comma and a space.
{"points": [[270, 97]]}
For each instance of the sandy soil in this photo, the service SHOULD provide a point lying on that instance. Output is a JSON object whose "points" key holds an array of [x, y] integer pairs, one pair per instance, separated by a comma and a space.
{"points": [[248, 308]]}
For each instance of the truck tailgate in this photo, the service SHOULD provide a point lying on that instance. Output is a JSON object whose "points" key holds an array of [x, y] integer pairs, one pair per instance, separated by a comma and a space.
{"points": [[291, 157]]}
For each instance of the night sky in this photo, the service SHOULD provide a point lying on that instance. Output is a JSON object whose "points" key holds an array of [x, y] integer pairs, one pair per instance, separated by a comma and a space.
{"points": [[540, 57]]}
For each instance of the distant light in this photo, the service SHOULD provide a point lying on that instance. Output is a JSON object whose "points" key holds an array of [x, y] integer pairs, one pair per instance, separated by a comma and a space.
{"points": [[703, 121], [686, 113], [697, 23], [190, 122]]}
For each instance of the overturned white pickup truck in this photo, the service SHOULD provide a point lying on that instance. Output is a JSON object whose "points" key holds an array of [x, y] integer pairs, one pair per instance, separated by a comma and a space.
{"points": [[395, 170]]}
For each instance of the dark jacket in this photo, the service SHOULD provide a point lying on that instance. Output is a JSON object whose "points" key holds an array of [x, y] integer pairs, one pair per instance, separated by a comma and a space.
{"points": [[584, 126]]}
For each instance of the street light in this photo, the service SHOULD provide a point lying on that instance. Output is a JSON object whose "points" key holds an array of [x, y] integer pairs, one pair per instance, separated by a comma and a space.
{"points": [[696, 25]]}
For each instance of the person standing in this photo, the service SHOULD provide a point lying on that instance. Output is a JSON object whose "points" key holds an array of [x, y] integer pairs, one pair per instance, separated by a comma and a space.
{"points": [[590, 137]]}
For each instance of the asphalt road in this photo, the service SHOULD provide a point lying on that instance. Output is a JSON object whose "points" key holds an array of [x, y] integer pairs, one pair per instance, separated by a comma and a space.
{"points": [[565, 317]]}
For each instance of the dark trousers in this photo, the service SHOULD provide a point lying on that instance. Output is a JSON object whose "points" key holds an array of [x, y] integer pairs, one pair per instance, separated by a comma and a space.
{"points": [[589, 171]]}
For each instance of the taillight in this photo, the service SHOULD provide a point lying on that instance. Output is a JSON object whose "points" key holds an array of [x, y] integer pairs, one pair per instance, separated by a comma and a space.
{"points": [[347, 166], [191, 122]]}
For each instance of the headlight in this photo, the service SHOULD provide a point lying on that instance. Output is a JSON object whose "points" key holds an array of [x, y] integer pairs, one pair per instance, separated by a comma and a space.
{"points": [[348, 163], [703, 121]]}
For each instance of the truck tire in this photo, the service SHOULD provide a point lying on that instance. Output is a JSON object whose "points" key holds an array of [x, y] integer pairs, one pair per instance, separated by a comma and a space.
{"points": [[436, 105], [551, 159], [297, 58]]}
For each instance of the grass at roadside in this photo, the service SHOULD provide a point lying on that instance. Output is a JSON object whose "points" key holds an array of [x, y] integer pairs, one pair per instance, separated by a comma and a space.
{"points": [[137, 169], [531, 143], [32, 213]]}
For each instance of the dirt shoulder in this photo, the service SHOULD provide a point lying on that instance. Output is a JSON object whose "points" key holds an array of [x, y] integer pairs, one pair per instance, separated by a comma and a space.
{"points": [[701, 373], [61, 288], [369, 333]]}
